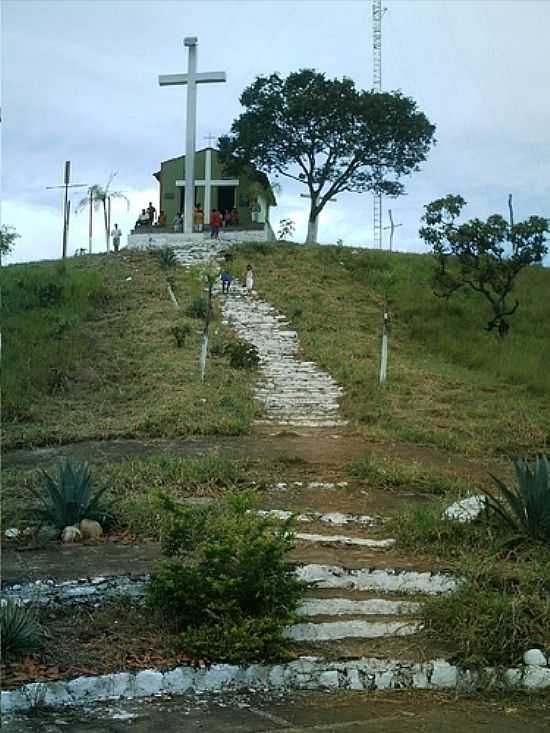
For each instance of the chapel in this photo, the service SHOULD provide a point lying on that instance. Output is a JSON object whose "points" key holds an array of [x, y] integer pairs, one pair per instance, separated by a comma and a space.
{"points": [[250, 193]]}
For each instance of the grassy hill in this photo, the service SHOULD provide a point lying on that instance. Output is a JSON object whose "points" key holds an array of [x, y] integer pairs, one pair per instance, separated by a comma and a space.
{"points": [[452, 384], [88, 352]]}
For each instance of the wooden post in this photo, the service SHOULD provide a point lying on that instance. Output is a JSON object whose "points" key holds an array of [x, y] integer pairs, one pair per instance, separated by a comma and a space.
{"points": [[90, 232], [204, 347], [65, 205], [108, 233], [66, 238], [386, 328]]}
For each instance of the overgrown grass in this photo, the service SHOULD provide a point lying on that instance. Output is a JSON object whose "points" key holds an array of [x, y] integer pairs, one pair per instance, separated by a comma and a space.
{"points": [[132, 488], [501, 607], [89, 353], [452, 384], [392, 474]]}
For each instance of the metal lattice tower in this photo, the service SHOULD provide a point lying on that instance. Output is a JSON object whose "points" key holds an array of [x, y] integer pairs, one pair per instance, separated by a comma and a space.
{"points": [[377, 87]]}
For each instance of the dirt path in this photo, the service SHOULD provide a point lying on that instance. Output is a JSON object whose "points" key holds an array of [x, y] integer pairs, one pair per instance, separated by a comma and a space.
{"points": [[304, 712]]}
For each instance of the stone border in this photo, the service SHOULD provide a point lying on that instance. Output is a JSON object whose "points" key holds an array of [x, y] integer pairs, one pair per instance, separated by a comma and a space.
{"points": [[307, 673]]}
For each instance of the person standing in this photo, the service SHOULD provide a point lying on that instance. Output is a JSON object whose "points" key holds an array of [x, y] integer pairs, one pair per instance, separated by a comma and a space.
{"points": [[151, 213], [249, 278], [116, 235], [177, 222], [227, 218], [227, 278], [215, 224], [199, 218]]}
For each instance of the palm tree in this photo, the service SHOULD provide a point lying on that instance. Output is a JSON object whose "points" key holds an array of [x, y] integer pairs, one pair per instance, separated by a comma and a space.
{"points": [[97, 197]]}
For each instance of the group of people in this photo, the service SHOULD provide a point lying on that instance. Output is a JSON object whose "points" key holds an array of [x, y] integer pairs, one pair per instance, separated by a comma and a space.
{"points": [[249, 279], [148, 217], [230, 217]]}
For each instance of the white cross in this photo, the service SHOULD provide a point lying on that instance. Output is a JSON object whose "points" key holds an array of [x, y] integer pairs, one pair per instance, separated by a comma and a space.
{"points": [[192, 78], [208, 182]]}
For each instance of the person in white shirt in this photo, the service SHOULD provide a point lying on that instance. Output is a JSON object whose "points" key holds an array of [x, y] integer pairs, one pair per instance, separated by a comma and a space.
{"points": [[116, 235]]}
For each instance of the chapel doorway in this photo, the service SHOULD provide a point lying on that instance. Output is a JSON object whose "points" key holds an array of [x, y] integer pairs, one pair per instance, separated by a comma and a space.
{"points": [[226, 198]]}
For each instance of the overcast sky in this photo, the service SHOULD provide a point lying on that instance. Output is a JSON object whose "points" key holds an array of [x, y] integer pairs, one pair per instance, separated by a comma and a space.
{"points": [[80, 83]]}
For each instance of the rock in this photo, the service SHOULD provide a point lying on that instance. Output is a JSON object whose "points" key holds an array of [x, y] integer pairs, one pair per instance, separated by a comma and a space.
{"points": [[90, 529], [466, 510], [535, 657], [12, 533], [70, 534]]}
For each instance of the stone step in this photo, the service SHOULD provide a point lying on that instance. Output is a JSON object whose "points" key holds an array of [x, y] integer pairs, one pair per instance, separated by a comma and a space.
{"points": [[356, 629], [338, 519], [323, 539]]}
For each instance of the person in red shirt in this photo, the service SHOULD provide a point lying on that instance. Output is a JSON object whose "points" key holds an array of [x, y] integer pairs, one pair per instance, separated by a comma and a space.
{"points": [[215, 224]]}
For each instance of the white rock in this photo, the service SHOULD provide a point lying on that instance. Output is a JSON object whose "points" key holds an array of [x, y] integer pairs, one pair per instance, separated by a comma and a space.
{"points": [[12, 533], [90, 529], [329, 679], [535, 657], [537, 678], [71, 534], [443, 674], [148, 682], [466, 510]]}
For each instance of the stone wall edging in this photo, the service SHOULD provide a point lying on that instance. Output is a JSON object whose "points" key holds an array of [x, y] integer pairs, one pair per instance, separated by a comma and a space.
{"points": [[306, 673]]}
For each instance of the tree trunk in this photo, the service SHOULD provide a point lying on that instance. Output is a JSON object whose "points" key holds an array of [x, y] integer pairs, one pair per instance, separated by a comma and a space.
{"points": [[104, 202], [204, 347]]}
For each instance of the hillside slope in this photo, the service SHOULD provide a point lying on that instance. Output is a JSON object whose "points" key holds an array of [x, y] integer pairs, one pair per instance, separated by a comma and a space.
{"points": [[452, 384], [88, 353]]}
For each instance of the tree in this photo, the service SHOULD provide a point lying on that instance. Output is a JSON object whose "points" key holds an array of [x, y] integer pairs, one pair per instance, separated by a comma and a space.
{"points": [[485, 256], [8, 235], [209, 275], [327, 135], [99, 197]]}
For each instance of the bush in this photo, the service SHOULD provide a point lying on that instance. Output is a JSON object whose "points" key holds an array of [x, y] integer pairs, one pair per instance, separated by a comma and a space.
{"points": [[526, 508], [242, 356], [227, 584], [198, 308], [19, 631], [180, 332], [69, 498], [492, 619]]}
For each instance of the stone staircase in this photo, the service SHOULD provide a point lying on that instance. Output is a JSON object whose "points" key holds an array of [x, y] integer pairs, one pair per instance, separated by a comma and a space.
{"points": [[294, 392]]}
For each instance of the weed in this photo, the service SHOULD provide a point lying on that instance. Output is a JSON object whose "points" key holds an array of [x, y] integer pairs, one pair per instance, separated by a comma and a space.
{"points": [[180, 332], [242, 356], [167, 257], [198, 308], [19, 630]]}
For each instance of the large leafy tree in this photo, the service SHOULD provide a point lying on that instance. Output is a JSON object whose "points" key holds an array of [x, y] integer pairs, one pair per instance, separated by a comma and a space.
{"points": [[483, 256], [98, 195], [8, 235], [328, 135]]}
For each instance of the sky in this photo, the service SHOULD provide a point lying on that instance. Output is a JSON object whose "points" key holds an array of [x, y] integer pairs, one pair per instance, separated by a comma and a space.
{"points": [[80, 83]]}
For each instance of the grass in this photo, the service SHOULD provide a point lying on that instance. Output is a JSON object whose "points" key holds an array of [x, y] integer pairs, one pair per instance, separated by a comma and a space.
{"points": [[393, 474], [501, 607], [89, 353], [452, 384]]}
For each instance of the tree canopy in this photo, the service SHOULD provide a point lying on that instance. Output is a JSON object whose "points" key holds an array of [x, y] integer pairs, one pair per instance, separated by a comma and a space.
{"points": [[328, 135], [484, 256]]}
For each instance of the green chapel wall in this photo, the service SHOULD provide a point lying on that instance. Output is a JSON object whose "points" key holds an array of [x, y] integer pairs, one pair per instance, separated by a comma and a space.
{"points": [[172, 195]]}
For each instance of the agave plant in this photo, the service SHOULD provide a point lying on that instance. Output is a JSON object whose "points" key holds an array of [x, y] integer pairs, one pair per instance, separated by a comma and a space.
{"points": [[167, 257], [19, 631], [526, 507], [69, 497]]}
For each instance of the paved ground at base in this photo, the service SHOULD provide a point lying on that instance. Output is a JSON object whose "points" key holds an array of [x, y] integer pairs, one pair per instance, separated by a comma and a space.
{"points": [[396, 712]]}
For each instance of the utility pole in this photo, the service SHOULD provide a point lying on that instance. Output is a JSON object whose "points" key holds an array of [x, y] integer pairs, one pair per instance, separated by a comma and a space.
{"points": [[377, 87], [66, 203]]}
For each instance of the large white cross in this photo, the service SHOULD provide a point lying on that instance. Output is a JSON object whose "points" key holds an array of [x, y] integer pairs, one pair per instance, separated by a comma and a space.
{"points": [[192, 78], [208, 182]]}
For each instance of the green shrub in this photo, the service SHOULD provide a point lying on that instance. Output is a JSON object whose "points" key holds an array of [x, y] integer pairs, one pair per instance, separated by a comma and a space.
{"points": [[180, 332], [526, 508], [198, 308], [493, 618], [216, 347], [227, 584], [69, 498], [242, 356], [19, 630]]}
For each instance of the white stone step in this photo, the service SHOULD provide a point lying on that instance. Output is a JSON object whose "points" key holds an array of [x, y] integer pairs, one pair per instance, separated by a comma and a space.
{"points": [[332, 518], [357, 629], [338, 539], [376, 579], [351, 607]]}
